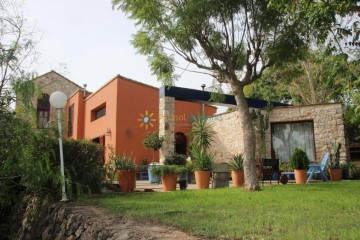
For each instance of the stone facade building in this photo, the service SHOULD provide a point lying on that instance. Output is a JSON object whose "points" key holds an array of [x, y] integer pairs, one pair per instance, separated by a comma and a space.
{"points": [[315, 128], [45, 85]]}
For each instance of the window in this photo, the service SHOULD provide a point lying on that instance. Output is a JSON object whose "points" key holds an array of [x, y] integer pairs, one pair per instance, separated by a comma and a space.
{"points": [[288, 136], [70, 121], [98, 112], [43, 111]]}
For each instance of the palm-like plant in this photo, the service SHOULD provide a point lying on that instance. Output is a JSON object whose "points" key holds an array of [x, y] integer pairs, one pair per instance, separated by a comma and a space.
{"points": [[202, 133], [202, 160]]}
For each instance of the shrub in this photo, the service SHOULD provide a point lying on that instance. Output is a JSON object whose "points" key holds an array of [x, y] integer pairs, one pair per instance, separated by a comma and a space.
{"points": [[83, 162], [175, 159], [350, 171], [299, 160]]}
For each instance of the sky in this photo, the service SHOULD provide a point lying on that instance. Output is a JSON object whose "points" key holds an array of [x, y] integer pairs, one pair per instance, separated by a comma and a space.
{"points": [[89, 43]]}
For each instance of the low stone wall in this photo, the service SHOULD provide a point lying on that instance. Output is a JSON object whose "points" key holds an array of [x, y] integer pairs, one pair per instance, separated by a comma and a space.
{"points": [[328, 129], [69, 221]]}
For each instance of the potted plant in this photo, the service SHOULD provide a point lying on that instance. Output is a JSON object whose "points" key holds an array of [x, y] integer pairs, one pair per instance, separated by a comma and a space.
{"points": [[237, 170], [178, 160], [153, 141], [168, 175], [201, 139], [125, 169], [335, 170], [202, 164], [299, 162]]}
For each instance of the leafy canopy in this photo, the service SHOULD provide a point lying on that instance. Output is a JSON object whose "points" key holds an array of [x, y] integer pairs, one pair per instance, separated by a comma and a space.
{"points": [[234, 41]]}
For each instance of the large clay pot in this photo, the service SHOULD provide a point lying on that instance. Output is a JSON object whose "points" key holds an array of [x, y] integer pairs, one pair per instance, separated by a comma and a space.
{"points": [[300, 176], [127, 180], [202, 179], [169, 182], [237, 178], [335, 174]]}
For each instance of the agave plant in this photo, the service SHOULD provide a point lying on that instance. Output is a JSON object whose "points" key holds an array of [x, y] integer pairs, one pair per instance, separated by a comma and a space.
{"points": [[236, 162], [202, 160], [123, 163]]}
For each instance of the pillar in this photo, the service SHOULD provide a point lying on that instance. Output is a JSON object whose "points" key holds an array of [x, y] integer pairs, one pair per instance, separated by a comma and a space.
{"points": [[167, 126]]}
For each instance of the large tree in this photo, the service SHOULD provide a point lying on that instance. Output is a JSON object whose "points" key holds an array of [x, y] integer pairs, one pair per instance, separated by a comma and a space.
{"points": [[16, 52], [234, 41]]}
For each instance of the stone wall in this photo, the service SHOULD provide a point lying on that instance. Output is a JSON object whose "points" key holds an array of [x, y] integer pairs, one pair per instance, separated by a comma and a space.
{"points": [[69, 221], [328, 129]]}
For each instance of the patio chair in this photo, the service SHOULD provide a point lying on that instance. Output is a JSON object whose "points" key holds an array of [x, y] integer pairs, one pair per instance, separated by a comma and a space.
{"points": [[269, 167], [318, 169]]}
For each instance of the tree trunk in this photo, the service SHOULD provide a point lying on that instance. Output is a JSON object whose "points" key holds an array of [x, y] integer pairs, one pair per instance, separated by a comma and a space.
{"points": [[251, 181]]}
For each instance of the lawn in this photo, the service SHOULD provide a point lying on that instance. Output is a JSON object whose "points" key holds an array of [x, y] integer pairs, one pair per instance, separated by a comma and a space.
{"points": [[313, 211]]}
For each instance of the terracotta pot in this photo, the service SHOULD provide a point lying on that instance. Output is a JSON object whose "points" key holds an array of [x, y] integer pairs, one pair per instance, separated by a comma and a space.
{"points": [[335, 174], [127, 180], [202, 179], [237, 178], [300, 176], [169, 182]]}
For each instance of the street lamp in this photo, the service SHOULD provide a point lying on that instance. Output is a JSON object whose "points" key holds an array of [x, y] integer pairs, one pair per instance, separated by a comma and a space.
{"points": [[58, 100], [203, 105]]}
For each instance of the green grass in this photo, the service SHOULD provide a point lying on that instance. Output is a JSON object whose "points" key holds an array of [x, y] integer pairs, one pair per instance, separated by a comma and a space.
{"points": [[312, 211]]}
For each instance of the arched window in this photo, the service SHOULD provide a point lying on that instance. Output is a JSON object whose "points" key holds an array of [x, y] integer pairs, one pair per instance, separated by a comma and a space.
{"points": [[43, 111]]}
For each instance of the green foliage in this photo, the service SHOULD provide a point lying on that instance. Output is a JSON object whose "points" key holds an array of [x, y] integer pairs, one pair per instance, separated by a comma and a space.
{"points": [[175, 159], [350, 171], [319, 77], [201, 133], [237, 162], [153, 141], [335, 156], [167, 169], [352, 123], [299, 160], [84, 163], [16, 51], [202, 160], [123, 162]]}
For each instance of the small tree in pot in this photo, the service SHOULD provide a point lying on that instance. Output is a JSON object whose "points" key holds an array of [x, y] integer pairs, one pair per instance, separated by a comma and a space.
{"points": [[300, 162], [237, 169], [201, 139], [153, 141]]}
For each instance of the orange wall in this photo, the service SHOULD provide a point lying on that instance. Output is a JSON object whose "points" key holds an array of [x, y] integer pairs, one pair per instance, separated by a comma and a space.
{"points": [[136, 99], [126, 102], [97, 128]]}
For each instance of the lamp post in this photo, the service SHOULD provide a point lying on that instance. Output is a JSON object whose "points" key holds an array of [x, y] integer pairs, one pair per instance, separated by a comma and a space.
{"points": [[203, 105], [58, 100]]}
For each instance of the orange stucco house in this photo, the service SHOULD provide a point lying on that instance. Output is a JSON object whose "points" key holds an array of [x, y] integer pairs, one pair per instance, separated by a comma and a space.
{"points": [[120, 114]]}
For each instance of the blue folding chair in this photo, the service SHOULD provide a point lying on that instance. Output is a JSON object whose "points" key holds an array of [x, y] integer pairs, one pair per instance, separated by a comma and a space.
{"points": [[316, 169]]}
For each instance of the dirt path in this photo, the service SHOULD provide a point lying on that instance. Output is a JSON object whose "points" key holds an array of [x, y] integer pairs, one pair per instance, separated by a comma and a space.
{"points": [[121, 227]]}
